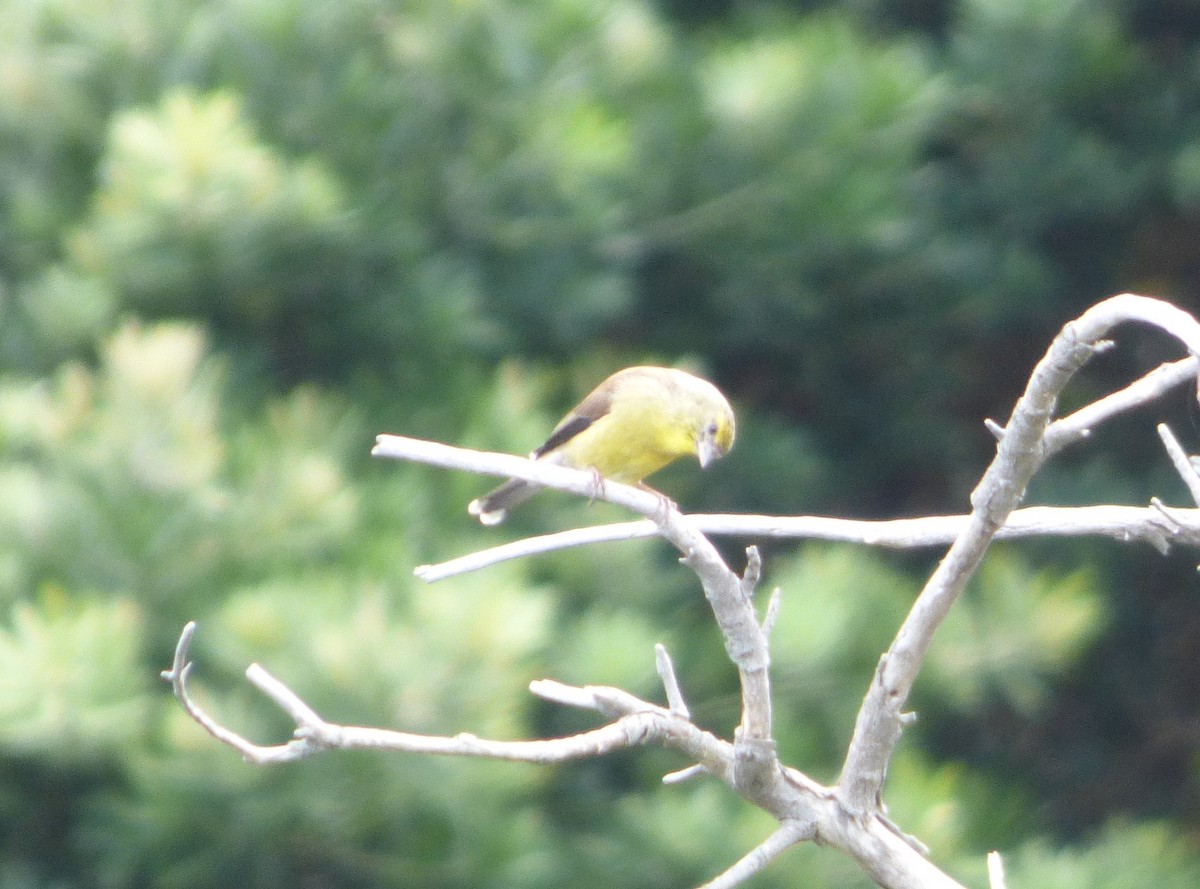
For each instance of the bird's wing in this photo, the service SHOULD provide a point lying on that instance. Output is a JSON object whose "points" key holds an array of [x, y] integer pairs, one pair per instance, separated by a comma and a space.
{"points": [[591, 409]]}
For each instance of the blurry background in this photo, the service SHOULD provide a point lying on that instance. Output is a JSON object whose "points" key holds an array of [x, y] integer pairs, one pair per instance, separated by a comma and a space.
{"points": [[238, 239]]}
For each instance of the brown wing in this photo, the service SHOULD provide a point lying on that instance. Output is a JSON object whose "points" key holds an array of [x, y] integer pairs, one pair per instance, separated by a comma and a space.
{"points": [[591, 409], [566, 430]]}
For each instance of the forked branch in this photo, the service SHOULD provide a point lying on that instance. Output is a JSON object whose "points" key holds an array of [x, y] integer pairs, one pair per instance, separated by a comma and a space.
{"points": [[1020, 452], [635, 722], [848, 817]]}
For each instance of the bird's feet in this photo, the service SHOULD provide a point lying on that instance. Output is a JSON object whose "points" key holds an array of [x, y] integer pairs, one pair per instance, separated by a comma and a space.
{"points": [[597, 486], [665, 503]]}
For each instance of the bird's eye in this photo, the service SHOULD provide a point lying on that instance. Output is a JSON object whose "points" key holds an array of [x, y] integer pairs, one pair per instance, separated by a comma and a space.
{"points": [[711, 430]]}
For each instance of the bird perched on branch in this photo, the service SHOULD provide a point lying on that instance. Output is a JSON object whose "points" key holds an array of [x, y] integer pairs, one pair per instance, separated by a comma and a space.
{"points": [[632, 425]]}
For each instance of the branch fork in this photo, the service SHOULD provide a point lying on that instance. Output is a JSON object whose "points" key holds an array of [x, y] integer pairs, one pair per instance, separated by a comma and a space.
{"points": [[850, 815]]}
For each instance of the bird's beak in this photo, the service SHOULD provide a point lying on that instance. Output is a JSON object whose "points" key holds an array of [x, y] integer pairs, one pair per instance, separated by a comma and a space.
{"points": [[708, 450]]}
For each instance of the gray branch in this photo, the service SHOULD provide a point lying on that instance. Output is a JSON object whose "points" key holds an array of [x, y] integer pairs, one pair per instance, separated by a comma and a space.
{"points": [[1179, 459], [848, 817], [806, 809], [636, 722], [791, 833], [1019, 453], [1126, 524]]}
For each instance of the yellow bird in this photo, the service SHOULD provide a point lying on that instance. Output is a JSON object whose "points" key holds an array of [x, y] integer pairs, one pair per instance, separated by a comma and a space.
{"points": [[632, 425]]}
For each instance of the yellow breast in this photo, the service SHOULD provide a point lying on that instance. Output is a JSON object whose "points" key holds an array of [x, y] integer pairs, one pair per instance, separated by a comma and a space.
{"points": [[639, 436]]}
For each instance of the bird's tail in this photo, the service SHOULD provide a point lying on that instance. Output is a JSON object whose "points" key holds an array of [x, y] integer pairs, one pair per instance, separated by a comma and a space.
{"points": [[491, 508]]}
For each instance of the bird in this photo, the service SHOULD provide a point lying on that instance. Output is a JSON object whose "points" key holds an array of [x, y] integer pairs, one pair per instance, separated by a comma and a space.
{"points": [[629, 427]]}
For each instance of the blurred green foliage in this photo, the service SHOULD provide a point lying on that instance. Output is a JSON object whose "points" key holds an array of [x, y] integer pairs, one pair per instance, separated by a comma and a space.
{"points": [[239, 238]]}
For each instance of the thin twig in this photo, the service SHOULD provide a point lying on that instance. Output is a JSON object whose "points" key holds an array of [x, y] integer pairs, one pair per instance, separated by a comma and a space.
{"points": [[181, 669], [529, 546], [1180, 461], [1171, 522], [637, 722], [788, 835], [666, 672], [287, 700], [1061, 433], [772, 612], [745, 644], [753, 571], [687, 774], [995, 865], [1079, 425], [1123, 523], [1018, 455]]}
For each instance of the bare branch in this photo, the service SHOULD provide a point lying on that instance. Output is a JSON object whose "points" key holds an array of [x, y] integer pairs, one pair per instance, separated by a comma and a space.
{"points": [[1018, 455], [743, 635], [995, 865], [753, 572], [1171, 518], [756, 765], [684, 774], [750, 765], [1079, 425], [550, 475], [1123, 523], [791, 833], [803, 806], [666, 672], [181, 669], [902, 533], [530, 546], [744, 640], [772, 611], [568, 695], [911, 840], [886, 857], [1180, 461], [637, 722]]}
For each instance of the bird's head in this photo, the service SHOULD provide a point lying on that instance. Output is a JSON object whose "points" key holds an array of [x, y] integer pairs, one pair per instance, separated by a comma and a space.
{"points": [[715, 435]]}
